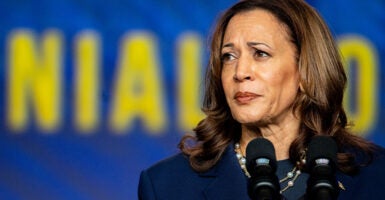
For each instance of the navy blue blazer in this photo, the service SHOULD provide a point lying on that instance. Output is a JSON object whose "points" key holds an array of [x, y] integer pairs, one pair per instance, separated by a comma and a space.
{"points": [[174, 179]]}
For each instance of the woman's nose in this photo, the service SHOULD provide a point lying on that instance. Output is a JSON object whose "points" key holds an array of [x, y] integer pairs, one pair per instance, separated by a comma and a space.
{"points": [[244, 70]]}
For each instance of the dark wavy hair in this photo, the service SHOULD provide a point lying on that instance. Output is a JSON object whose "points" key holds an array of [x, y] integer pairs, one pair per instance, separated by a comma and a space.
{"points": [[318, 102]]}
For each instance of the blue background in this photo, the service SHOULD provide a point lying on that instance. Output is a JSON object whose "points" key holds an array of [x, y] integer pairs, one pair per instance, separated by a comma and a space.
{"points": [[103, 165]]}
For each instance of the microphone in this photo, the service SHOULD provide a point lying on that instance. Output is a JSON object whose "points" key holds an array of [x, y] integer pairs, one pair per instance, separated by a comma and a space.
{"points": [[321, 163], [262, 165]]}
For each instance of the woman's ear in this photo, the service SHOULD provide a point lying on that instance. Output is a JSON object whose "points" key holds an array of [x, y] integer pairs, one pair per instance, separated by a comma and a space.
{"points": [[301, 87]]}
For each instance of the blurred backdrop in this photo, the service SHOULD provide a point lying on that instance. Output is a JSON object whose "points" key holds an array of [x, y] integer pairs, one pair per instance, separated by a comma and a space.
{"points": [[93, 91]]}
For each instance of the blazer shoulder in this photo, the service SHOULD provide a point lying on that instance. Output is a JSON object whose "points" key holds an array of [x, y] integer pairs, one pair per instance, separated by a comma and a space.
{"points": [[175, 163], [370, 180], [171, 178], [377, 165], [374, 169], [173, 171]]}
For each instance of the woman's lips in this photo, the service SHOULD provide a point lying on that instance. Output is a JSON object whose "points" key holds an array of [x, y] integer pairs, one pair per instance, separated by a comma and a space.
{"points": [[245, 97]]}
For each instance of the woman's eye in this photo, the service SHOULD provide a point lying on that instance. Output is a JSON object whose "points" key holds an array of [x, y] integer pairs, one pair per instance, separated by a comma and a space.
{"points": [[260, 53], [227, 57]]}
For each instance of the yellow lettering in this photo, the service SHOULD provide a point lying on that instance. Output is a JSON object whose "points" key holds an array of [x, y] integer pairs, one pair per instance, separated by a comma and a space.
{"points": [[138, 88], [34, 75], [189, 68], [360, 51], [87, 63]]}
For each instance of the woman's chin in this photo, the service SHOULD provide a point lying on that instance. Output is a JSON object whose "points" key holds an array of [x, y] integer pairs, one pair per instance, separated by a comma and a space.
{"points": [[255, 121]]}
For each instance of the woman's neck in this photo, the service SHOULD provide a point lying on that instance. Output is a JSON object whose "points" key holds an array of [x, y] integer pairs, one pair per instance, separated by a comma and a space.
{"points": [[281, 135]]}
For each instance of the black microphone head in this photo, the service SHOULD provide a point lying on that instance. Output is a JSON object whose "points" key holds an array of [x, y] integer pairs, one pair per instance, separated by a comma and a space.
{"points": [[261, 150], [321, 147], [321, 163]]}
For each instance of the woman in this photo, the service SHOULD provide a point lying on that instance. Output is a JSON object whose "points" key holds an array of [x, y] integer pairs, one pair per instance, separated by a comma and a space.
{"points": [[274, 72]]}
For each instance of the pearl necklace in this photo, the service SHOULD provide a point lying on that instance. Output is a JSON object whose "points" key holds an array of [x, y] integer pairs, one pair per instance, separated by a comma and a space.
{"points": [[290, 178]]}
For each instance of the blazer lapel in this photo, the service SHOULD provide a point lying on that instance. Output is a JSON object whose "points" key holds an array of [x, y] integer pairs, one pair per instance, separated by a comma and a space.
{"points": [[228, 180]]}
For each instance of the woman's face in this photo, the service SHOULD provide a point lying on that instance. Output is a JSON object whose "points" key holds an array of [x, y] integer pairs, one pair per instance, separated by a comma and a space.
{"points": [[260, 76]]}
